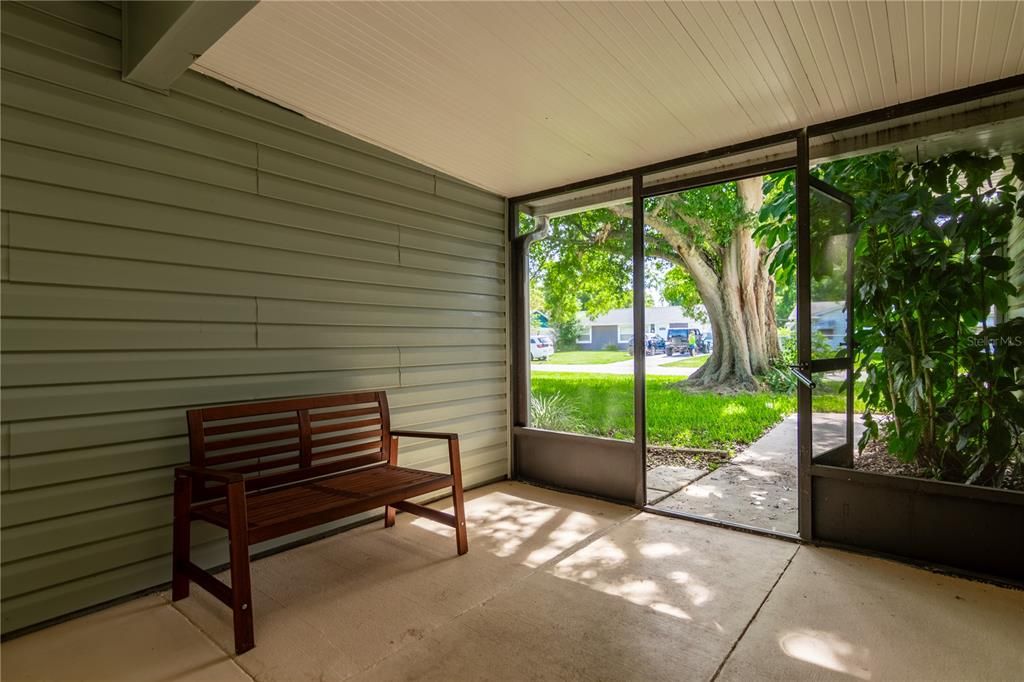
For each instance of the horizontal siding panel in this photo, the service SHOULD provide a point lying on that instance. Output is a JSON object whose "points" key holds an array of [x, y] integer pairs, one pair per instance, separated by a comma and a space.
{"points": [[286, 189], [64, 467], [35, 27], [428, 415], [312, 231], [461, 192], [427, 241], [95, 16], [41, 369], [52, 535], [413, 356], [56, 335], [447, 263], [304, 136], [65, 433], [50, 133], [349, 171], [37, 504], [31, 300], [39, 402], [426, 376], [44, 98], [72, 270], [58, 600], [285, 336], [428, 395], [303, 169], [51, 167], [32, 232], [273, 311]]}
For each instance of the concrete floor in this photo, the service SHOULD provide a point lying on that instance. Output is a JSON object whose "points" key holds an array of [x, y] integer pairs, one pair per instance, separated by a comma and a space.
{"points": [[560, 587]]}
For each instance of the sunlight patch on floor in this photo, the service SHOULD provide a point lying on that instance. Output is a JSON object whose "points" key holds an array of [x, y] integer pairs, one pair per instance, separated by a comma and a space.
{"points": [[826, 650], [509, 526]]}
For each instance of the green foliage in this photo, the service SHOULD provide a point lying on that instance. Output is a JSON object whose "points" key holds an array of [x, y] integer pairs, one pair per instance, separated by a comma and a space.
{"points": [[574, 275], [679, 289], [780, 379], [554, 412], [566, 334], [930, 272], [610, 347]]}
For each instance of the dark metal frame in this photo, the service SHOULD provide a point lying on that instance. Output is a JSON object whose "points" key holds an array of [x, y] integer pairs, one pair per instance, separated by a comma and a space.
{"points": [[808, 471]]}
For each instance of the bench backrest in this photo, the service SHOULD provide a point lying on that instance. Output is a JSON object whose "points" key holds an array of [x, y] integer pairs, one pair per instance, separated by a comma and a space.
{"points": [[281, 441]]}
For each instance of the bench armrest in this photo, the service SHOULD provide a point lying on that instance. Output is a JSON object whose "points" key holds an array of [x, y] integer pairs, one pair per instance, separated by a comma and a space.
{"points": [[212, 474], [425, 434]]}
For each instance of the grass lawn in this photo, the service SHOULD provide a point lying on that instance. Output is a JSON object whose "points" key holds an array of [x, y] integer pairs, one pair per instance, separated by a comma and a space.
{"points": [[604, 406], [587, 357], [695, 361]]}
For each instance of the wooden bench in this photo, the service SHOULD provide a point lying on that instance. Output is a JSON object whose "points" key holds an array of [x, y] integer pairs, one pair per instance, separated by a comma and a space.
{"points": [[267, 469]]}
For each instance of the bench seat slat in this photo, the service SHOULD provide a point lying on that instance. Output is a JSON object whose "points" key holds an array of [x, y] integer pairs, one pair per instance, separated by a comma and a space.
{"points": [[272, 512]]}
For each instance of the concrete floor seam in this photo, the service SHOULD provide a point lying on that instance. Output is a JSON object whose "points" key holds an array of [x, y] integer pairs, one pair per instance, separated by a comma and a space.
{"points": [[753, 617]]}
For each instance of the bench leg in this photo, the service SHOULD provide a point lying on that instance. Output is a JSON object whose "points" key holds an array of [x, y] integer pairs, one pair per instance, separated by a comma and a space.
{"points": [[389, 511], [241, 590], [182, 537], [461, 536]]}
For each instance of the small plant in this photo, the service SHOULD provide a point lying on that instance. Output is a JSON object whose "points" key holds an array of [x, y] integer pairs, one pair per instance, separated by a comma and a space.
{"points": [[611, 346], [553, 412]]}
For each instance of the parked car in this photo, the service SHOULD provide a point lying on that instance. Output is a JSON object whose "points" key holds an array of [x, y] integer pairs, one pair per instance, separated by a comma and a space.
{"points": [[541, 348], [682, 342], [653, 345]]}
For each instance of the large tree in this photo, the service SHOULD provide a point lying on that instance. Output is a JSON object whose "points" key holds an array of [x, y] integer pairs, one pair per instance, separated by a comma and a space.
{"points": [[706, 237]]}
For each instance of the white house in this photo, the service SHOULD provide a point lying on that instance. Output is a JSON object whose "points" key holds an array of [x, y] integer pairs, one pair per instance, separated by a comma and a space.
{"points": [[616, 326]]}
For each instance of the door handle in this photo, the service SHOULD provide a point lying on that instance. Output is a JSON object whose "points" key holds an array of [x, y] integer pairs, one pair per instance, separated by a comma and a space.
{"points": [[800, 372]]}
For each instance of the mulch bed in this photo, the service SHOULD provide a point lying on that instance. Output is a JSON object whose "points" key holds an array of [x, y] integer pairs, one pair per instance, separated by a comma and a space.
{"points": [[876, 459], [691, 458]]}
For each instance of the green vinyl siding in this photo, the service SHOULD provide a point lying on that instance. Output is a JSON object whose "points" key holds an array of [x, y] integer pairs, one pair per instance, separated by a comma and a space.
{"points": [[161, 252]]}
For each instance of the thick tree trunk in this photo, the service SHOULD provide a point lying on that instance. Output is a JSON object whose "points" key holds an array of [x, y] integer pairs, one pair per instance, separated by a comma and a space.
{"points": [[740, 301], [742, 317], [738, 295]]}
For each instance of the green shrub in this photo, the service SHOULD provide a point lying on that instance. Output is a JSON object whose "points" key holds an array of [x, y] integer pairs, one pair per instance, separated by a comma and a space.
{"points": [[930, 272], [566, 334], [554, 412]]}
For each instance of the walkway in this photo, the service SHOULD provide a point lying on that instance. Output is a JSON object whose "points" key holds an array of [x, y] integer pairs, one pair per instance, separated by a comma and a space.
{"points": [[655, 366], [757, 488]]}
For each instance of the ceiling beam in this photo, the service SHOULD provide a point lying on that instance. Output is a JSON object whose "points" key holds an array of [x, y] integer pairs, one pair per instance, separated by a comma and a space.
{"points": [[162, 38]]}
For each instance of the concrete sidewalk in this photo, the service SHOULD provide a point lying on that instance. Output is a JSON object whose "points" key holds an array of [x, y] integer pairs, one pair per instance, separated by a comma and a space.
{"points": [[655, 366], [758, 487]]}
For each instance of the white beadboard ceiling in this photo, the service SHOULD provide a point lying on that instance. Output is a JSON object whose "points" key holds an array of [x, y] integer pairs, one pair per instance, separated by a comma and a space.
{"points": [[520, 96]]}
